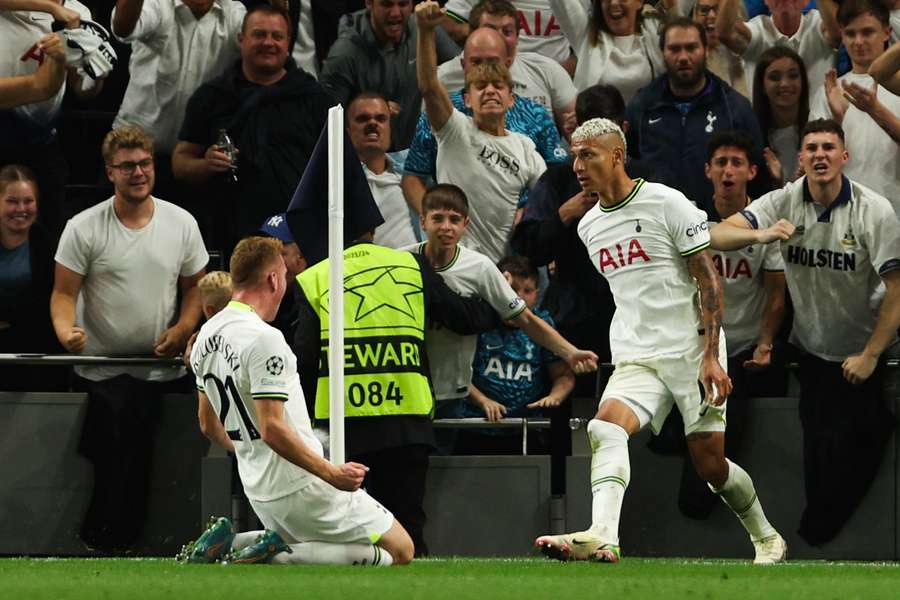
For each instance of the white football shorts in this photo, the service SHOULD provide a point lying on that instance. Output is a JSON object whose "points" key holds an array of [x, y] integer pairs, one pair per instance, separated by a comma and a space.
{"points": [[320, 512], [650, 387]]}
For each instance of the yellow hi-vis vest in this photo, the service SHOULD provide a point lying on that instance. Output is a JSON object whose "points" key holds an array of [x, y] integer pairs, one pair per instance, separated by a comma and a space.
{"points": [[384, 333]]}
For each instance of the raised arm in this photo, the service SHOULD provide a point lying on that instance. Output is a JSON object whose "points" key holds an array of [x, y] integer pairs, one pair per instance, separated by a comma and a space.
{"points": [[66, 286], [712, 308], [573, 17], [830, 28], [886, 69], [733, 32], [736, 232], [126, 17], [866, 100], [859, 367], [437, 101]]}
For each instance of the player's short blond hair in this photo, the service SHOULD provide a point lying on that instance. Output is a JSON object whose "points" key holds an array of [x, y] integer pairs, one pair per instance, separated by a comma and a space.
{"points": [[215, 289], [252, 256], [489, 72], [594, 128], [125, 138]]}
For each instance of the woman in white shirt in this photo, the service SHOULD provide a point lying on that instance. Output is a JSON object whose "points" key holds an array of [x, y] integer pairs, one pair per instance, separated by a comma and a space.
{"points": [[616, 42], [781, 103]]}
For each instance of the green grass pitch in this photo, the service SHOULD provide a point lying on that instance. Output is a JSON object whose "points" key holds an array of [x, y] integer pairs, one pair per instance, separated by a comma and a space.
{"points": [[436, 579]]}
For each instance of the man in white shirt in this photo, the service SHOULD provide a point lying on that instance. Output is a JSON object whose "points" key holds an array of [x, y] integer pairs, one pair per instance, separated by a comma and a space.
{"points": [[369, 127], [814, 35], [251, 403], [650, 242], [841, 247], [121, 262], [175, 47], [493, 165], [538, 30], [868, 113], [534, 75]]}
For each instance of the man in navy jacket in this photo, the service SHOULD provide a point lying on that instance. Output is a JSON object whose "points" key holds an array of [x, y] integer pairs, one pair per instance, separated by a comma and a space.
{"points": [[674, 116]]}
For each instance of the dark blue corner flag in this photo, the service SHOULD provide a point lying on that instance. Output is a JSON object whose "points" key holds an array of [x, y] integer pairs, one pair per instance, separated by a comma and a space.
{"points": [[307, 214]]}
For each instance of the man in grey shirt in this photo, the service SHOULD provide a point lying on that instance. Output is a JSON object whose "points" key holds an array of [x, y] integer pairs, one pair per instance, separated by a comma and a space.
{"points": [[376, 51]]}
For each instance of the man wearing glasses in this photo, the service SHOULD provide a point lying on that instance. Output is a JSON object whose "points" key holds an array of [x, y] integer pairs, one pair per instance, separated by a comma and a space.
{"points": [[126, 257]]}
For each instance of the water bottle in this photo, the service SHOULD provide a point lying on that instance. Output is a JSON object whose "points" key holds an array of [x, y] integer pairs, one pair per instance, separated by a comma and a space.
{"points": [[226, 146]]}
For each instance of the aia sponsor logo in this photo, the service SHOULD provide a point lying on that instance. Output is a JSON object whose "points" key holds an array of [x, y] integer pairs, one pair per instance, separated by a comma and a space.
{"points": [[732, 269], [622, 255]]}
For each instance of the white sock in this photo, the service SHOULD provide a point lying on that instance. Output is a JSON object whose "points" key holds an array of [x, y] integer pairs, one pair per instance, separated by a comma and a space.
{"points": [[244, 539], [328, 553], [740, 496], [610, 474]]}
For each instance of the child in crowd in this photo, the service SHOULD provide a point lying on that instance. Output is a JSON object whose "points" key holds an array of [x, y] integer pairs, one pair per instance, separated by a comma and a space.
{"points": [[445, 216], [215, 292], [512, 374]]}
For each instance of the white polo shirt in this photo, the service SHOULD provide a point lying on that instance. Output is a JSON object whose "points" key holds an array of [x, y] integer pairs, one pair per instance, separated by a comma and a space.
{"points": [[640, 246], [808, 41], [874, 156], [833, 263], [20, 31], [538, 29], [534, 76], [450, 355], [172, 54]]}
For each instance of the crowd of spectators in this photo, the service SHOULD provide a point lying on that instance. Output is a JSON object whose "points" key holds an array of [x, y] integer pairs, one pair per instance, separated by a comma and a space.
{"points": [[226, 99]]}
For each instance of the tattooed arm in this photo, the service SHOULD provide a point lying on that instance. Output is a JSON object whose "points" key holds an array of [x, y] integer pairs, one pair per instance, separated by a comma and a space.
{"points": [[712, 308]]}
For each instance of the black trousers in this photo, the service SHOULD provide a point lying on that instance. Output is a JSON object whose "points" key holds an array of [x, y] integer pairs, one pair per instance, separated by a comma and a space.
{"points": [[396, 478], [845, 431], [118, 436]]}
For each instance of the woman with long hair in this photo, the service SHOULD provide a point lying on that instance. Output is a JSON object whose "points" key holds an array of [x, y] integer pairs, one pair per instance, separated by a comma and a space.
{"points": [[26, 279], [781, 103], [616, 42]]}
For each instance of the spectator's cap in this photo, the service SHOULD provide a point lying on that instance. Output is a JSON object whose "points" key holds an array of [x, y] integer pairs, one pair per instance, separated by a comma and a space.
{"points": [[276, 226]]}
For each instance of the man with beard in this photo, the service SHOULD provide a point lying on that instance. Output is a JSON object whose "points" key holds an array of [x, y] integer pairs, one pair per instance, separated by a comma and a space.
{"points": [[673, 118], [273, 113], [126, 257]]}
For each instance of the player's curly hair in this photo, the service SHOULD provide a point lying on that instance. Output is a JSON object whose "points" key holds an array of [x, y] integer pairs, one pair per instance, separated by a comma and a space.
{"points": [[125, 138], [251, 257], [594, 128]]}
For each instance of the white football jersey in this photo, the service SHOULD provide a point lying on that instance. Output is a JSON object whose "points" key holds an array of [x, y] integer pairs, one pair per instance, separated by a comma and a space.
{"points": [[745, 295], [640, 246], [450, 355], [833, 263], [238, 359]]}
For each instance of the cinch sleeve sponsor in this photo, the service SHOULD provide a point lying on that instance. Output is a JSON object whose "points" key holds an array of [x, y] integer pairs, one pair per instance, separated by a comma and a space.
{"points": [[687, 225]]}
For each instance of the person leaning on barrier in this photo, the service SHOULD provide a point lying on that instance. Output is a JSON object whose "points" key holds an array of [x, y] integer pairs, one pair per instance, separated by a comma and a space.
{"points": [[126, 258], [389, 297], [841, 247]]}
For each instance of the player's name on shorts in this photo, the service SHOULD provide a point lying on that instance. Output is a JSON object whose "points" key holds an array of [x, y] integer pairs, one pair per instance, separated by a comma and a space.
{"points": [[397, 354], [215, 343], [821, 258]]}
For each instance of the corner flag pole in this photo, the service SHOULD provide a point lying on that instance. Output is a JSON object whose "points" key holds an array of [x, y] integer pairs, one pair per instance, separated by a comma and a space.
{"points": [[336, 283]]}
